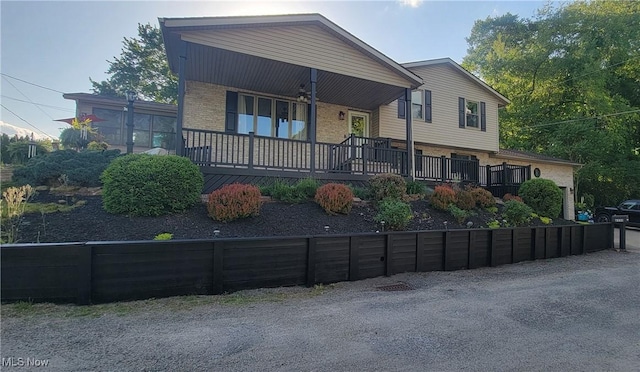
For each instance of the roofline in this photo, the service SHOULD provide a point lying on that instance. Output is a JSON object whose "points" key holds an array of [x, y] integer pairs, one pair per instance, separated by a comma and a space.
{"points": [[116, 101], [168, 23], [549, 161], [453, 63]]}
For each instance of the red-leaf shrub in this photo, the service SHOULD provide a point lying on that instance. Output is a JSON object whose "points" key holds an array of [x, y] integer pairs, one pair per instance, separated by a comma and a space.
{"points": [[465, 200], [508, 197], [335, 198], [483, 197], [234, 201], [388, 185], [442, 197]]}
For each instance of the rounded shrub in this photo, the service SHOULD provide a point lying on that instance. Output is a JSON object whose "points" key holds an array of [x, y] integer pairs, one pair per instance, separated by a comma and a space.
{"points": [[442, 197], [335, 198], [416, 187], [543, 196], [307, 187], [465, 200], [516, 213], [233, 202], [150, 185], [509, 196], [388, 185], [395, 213], [483, 197]]}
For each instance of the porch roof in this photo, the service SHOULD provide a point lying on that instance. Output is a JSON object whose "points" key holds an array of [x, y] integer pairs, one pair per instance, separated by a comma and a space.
{"points": [[273, 54]]}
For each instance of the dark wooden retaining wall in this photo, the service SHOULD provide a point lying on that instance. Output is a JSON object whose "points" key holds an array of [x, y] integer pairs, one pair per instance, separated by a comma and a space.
{"points": [[114, 271]]}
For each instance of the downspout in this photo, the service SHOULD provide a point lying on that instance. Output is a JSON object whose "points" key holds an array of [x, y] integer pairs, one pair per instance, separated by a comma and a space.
{"points": [[181, 89], [410, 144]]}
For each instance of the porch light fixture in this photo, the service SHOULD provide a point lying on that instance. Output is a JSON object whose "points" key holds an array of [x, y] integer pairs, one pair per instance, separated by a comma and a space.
{"points": [[341, 115], [131, 97], [302, 94]]}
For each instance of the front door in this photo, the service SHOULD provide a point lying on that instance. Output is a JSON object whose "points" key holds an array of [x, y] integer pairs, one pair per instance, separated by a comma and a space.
{"points": [[359, 123]]}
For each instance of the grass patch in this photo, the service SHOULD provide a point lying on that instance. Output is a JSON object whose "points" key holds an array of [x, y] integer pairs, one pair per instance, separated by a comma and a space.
{"points": [[46, 208], [24, 309]]}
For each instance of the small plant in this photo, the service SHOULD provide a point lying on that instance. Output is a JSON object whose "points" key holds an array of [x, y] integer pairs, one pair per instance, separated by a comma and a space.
{"points": [[492, 210], [15, 201], [388, 185], [465, 200], [396, 214], [163, 236], [517, 213], [442, 197], [234, 201], [416, 187], [493, 224], [483, 198], [335, 198], [307, 187], [459, 214], [543, 196], [507, 197], [361, 193], [546, 220], [286, 193]]}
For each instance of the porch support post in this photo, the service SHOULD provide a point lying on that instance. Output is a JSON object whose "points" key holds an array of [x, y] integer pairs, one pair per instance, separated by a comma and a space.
{"points": [[181, 88], [312, 121], [410, 145]]}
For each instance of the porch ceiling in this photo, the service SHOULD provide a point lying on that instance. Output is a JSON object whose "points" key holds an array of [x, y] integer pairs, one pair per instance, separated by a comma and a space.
{"points": [[243, 71]]}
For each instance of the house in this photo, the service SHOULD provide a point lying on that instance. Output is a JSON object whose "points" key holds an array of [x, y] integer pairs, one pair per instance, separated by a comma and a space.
{"points": [[154, 123], [293, 96]]}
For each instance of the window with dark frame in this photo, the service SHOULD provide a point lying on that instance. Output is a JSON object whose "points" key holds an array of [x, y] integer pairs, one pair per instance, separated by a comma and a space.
{"points": [[473, 114], [272, 117]]}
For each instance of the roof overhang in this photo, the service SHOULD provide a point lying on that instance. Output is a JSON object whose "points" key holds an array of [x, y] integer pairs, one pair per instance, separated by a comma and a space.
{"points": [[448, 61], [531, 157], [96, 99], [214, 63]]}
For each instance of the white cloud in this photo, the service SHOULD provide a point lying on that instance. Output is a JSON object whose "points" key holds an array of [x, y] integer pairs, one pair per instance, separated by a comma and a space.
{"points": [[411, 3], [11, 130]]}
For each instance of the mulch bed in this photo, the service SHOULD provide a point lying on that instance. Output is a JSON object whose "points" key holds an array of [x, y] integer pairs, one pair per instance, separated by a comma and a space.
{"points": [[91, 222]]}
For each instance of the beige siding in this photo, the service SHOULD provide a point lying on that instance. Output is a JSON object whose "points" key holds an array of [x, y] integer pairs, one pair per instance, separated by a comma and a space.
{"points": [[446, 85], [204, 108], [375, 123], [308, 46]]}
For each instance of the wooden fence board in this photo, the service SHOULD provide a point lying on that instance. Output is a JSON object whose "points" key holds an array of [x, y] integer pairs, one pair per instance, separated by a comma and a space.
{"points": [[522, 244], [372, 256], [457, 251], [403, 248], [481, 254], [502, 254], [432, 251]]}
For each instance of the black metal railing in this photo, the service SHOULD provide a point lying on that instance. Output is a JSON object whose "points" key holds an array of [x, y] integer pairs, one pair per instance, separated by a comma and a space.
{"points": [[443, 169]]}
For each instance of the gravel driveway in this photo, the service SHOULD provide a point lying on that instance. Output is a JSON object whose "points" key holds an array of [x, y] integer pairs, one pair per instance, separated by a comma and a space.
{"points": [[578, 313]]}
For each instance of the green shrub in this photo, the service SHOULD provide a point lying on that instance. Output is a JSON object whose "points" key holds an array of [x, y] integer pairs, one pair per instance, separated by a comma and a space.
{"points": [[163, 236], [82, 168], [335, 198], [494, 224], [286, 193], [492, 210], [543, 196], [233, 202], [388, 185], [307, 187], [395, 213], [483, 198], [150, 185], [360, 192], [442, 197], [465, 200], [546, 220], [516, 213], [416, 187], [459, 214]]}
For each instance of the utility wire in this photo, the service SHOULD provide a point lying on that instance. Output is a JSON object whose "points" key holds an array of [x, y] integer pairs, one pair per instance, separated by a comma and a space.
{"points": [[40, 104], [584, 118], [25, 96], [30, 83], [19, 117]]}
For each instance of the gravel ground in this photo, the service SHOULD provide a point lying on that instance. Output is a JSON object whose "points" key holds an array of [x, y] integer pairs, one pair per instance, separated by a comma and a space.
{"points": [[576, 313]]}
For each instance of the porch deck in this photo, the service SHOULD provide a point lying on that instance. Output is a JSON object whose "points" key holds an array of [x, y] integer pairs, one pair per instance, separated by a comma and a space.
{"points": [[229, 157]]}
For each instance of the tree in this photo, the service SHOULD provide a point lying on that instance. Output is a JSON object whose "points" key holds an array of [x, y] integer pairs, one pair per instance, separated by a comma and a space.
{"points": [[143, 67], [573, 76]]}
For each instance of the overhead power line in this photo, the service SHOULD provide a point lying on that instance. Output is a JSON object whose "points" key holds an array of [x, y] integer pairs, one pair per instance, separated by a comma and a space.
{"points": [[40, 104], [31, 125], [584, 118], [30, 101], [30, 83]]}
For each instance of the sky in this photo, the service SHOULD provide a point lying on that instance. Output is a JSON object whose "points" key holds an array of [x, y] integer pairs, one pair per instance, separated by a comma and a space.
{"points": [[60, 45]]}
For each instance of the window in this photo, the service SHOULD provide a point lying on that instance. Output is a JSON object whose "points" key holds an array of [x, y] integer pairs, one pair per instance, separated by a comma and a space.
{"points": [[416, 105], [272, 117], [148, 130], [111, 128], [473, 111], [164, 132]]}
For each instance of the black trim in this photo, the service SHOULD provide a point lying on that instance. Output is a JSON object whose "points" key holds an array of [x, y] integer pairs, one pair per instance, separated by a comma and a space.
{"points": [[427, 106], [483, 117], [231, 117], [461, 112]]}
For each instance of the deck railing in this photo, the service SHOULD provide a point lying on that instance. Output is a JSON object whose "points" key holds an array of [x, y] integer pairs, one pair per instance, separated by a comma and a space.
{"points": [[354, 155]]}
